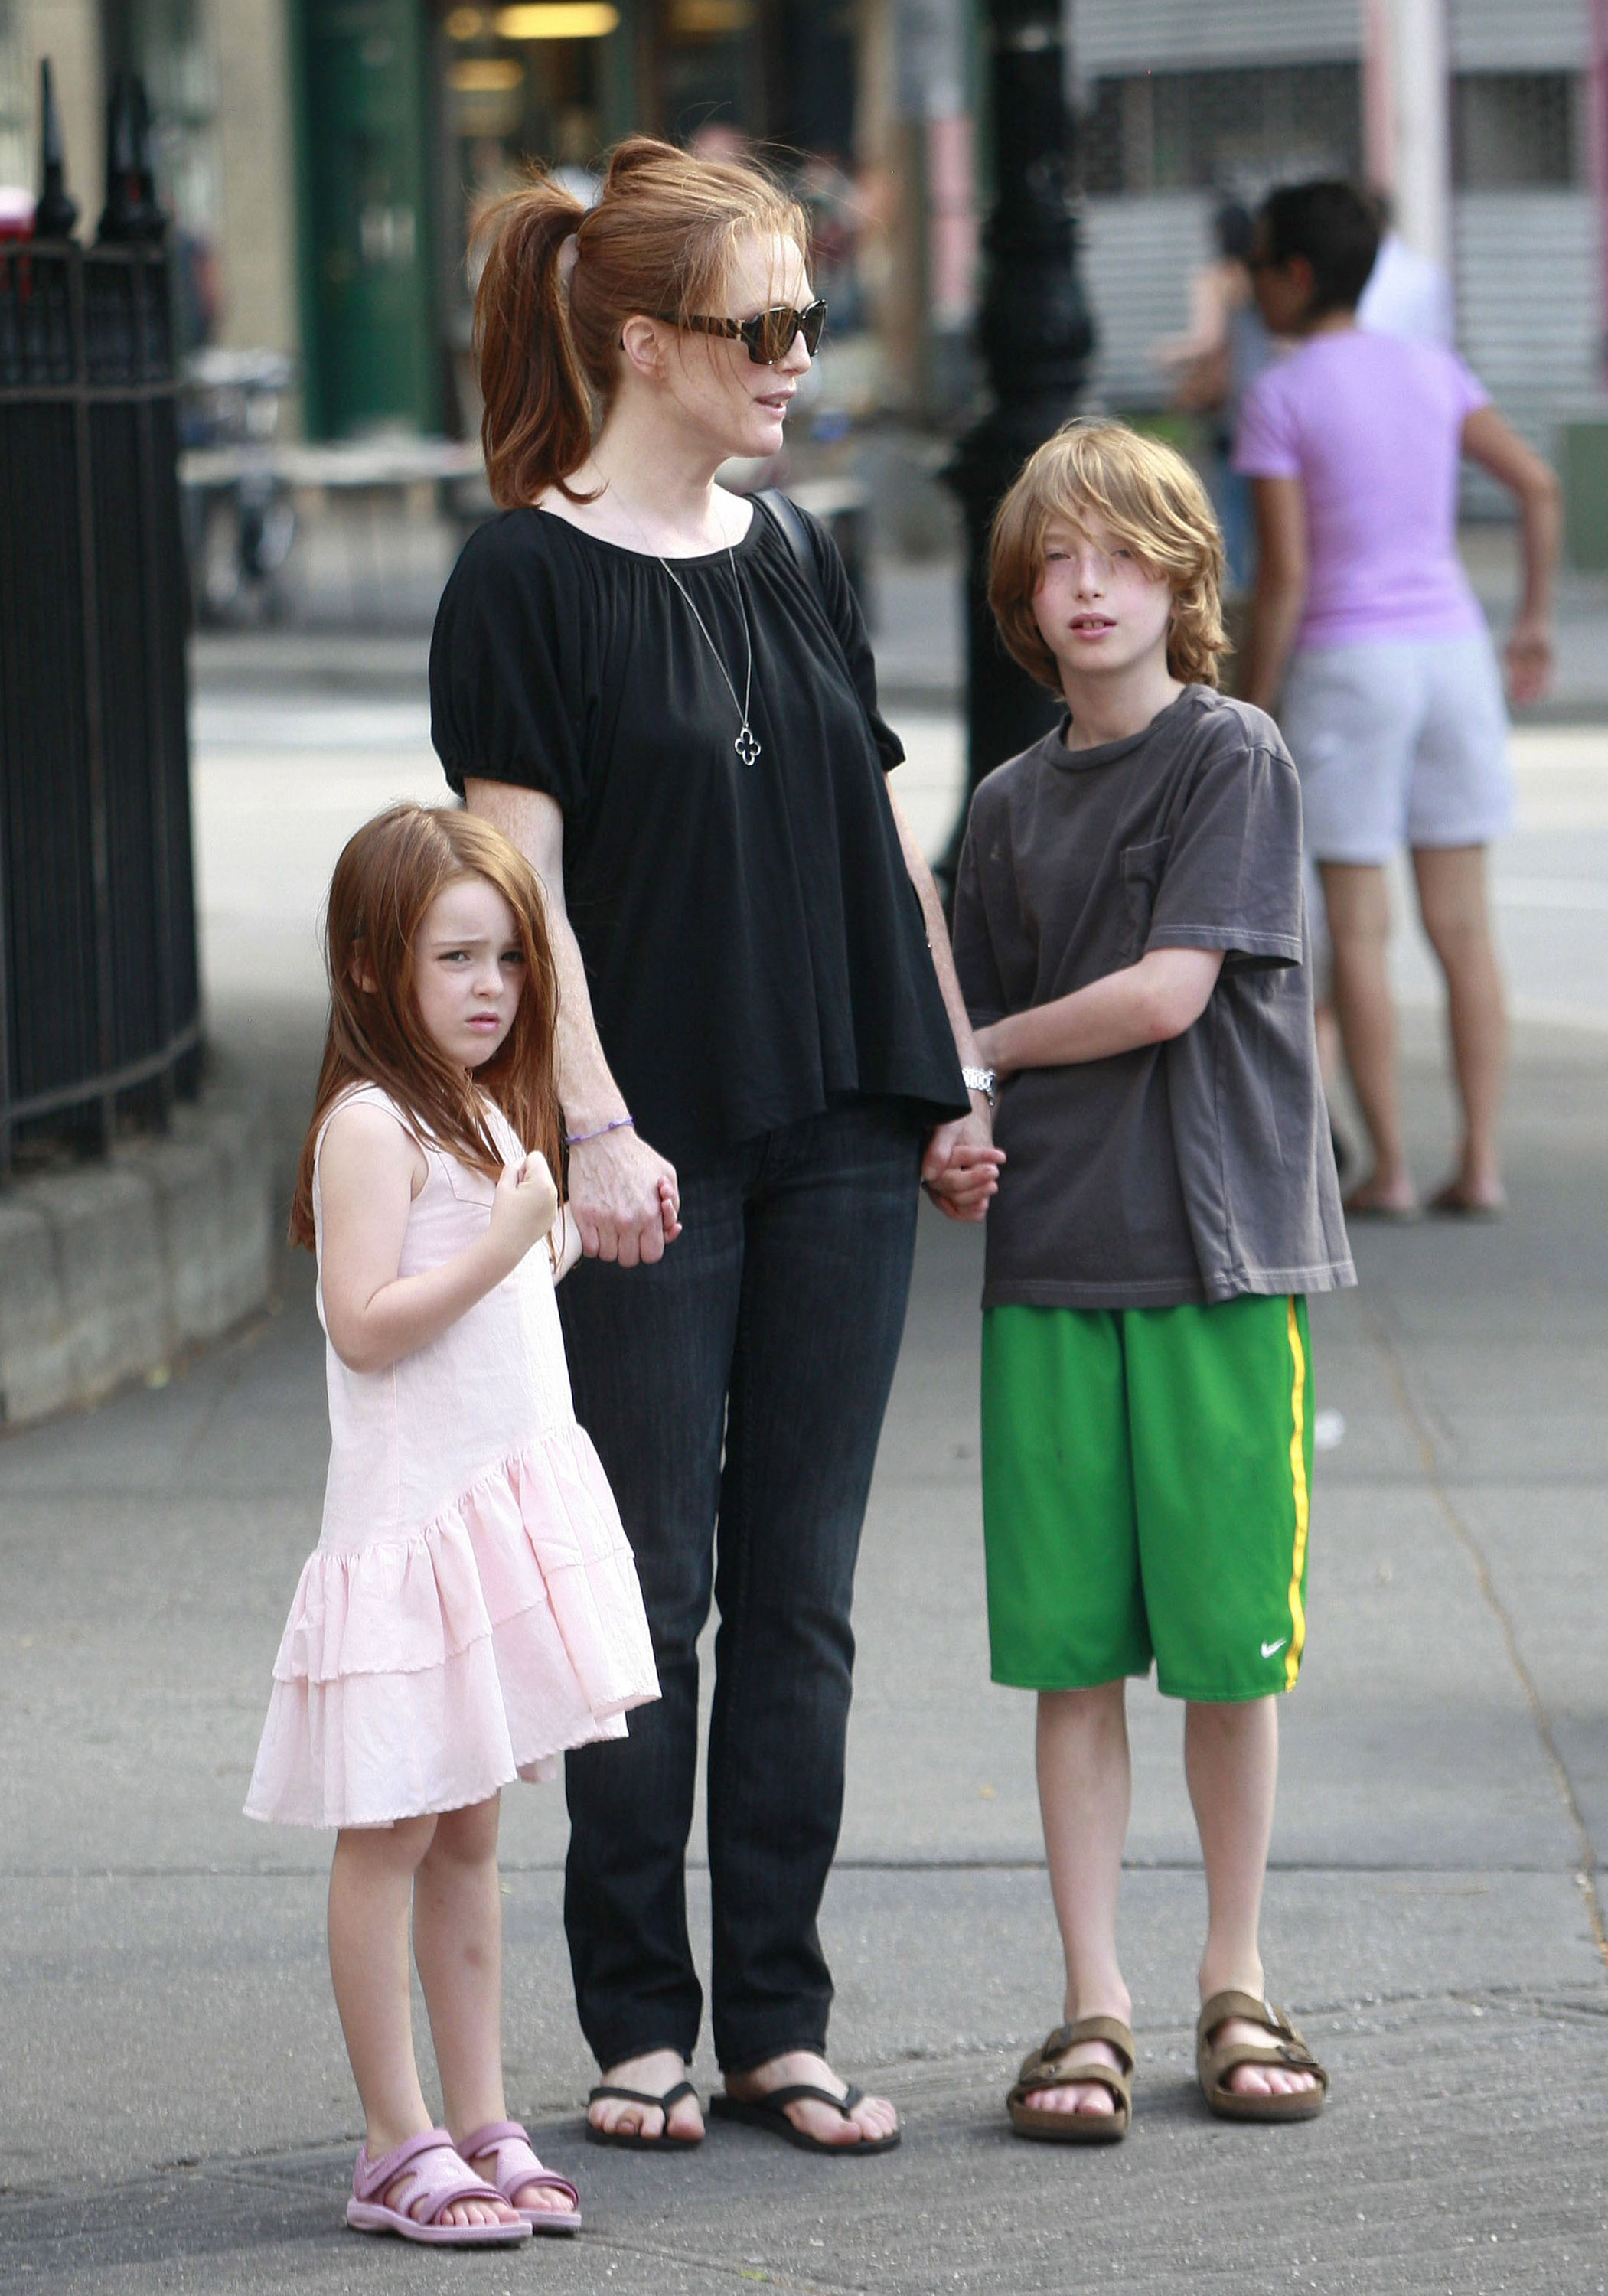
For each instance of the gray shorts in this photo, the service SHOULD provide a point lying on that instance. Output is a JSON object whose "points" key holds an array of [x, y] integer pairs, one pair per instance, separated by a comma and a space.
{"points": [[1399, 741]]}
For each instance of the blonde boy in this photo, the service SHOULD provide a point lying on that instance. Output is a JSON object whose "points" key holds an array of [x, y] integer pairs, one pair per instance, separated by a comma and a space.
{"points": [[1130, 939]]}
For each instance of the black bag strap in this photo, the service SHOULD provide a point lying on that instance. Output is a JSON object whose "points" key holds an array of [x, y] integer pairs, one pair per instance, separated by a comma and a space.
{"points": [[791, 519], [801, 542]]}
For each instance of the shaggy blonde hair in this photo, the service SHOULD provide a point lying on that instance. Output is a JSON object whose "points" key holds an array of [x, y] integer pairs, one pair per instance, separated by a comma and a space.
{"points": [[1151, 500]]}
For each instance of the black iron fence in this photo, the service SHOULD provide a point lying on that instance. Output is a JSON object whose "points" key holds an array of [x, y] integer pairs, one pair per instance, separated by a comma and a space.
{"points": [[99, 993]]}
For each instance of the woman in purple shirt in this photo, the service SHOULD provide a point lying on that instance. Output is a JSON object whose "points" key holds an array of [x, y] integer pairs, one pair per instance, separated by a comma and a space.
{"points": [[1391, 699]]}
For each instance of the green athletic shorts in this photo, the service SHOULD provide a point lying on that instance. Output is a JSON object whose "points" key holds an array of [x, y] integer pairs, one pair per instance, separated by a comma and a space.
{"points": [[1145, 1475]]}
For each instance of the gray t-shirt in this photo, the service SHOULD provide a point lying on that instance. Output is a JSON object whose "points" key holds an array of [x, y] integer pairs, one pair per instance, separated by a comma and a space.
{"points": [[1197, 1169]]}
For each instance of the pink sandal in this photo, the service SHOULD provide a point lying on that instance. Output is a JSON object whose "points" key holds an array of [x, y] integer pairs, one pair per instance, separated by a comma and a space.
{"points": [[436, 2174], [517, 2168]]}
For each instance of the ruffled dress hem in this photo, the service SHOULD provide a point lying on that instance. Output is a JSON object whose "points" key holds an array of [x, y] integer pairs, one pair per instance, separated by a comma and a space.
{"points": [[421, 1674]]}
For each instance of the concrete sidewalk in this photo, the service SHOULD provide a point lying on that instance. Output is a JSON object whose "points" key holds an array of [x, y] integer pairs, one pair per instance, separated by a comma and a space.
{"points": [[176, 2110], [178, 2114]]}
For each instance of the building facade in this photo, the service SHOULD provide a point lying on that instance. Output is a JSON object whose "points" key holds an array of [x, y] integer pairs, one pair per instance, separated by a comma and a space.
{"points": [[322, 159], [218, 72], [1183, 106]]}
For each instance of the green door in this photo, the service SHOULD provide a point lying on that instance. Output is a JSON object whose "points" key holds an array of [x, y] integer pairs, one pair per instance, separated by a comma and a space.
{"points": [[372, 360]]}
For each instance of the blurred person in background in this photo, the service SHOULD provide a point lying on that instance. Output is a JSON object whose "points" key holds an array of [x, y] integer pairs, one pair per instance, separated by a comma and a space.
{"points": [[830, 198], [573, 166], [1367, 637], [1408, 292], [1213, 365], [718, 139]]}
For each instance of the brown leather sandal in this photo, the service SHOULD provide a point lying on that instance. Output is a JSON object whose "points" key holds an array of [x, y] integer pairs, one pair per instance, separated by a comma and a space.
{"points": [[1043, 2068], [1215, 2060]]}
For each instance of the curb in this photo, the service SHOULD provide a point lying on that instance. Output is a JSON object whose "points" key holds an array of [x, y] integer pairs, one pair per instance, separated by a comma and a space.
{"points": [[109, 1270]]}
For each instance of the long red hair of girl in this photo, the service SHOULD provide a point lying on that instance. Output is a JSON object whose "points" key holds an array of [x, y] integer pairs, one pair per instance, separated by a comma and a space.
{"points": [[383, 885]]}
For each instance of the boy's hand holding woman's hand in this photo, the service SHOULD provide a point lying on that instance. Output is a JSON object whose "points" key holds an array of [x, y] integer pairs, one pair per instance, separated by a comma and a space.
{"points": [[960, 1170]]}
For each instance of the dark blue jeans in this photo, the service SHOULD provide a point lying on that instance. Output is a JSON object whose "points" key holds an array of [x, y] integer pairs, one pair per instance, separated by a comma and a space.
{"points": [[735, 1393]]}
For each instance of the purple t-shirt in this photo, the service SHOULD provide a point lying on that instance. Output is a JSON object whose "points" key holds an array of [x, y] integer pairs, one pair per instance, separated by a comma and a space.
{"points": [[1371, 426]]}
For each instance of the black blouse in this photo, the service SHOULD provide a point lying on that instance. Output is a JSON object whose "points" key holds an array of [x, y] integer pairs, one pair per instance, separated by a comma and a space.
{"points": [[752, 941]]}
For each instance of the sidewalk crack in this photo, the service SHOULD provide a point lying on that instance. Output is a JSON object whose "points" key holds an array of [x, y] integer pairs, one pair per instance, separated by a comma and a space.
{"points": [[1417, 1421]]}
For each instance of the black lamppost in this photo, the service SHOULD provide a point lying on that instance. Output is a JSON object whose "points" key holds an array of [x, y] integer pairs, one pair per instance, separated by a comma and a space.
{"points": [[55, 212], [1036, 336], [132, 214]]}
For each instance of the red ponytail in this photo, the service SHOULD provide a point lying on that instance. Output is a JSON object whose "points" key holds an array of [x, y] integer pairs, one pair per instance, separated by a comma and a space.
{"points": [[536, 422]]}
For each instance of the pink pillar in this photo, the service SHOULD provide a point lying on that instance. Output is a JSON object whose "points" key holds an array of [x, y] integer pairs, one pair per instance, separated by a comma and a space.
{"points": [[1597, 113], [952, 209], [1378, 100], [1406, 117]]}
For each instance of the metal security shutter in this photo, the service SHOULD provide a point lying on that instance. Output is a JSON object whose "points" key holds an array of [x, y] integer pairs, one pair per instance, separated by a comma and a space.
{"points": [[1110, 37], [1528, 311], [1496, 35], [1138, 259]]}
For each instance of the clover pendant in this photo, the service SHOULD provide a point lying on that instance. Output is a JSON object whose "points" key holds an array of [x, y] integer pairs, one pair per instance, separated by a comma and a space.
{"points": [[746, 745]]}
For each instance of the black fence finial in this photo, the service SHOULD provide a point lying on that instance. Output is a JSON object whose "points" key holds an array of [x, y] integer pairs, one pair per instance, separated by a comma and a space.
{"points": [[55, 213], [131, 211]]}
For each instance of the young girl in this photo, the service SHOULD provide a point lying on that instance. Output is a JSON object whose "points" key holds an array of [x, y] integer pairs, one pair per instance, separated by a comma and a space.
{"points": [[472, 1609]]}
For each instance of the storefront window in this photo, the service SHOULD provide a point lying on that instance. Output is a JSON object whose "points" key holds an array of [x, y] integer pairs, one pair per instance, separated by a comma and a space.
{"points": [[709, 63], [522, 84], [557, 84], [16, 169], [1518, 131], [1245, 128], [166, 42], [518, 84]]}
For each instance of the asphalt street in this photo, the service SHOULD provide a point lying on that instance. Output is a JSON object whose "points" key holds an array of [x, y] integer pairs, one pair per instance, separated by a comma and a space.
{"points": [[178, 2113]]}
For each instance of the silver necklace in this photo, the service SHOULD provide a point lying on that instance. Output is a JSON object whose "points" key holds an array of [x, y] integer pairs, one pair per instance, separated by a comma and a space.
{"points": [[747, 742]]}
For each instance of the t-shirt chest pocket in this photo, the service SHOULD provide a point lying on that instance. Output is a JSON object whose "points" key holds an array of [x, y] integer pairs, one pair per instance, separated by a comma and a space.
{"points": [[1142, 869]]}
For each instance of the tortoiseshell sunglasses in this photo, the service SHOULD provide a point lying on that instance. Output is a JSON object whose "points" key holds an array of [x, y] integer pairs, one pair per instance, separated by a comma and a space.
{"points": [[769, 334]]}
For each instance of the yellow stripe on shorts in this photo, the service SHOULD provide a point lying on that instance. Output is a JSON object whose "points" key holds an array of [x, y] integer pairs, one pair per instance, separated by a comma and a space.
{"points": [[1298, 1472]]}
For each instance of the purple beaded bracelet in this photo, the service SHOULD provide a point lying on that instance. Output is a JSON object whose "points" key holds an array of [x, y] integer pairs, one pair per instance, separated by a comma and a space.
{"points": [[579, 1139]]}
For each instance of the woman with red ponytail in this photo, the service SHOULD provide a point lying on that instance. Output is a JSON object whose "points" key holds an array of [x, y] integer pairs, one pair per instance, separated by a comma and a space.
{"points": [[673, 712]]}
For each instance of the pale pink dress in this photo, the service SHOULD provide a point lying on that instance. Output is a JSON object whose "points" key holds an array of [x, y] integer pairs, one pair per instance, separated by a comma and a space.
{"points": [[471, 1607]]}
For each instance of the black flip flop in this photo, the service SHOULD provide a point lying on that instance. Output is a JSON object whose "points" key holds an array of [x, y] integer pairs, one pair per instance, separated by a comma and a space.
{"points": [[1386, 1215], [631, 2140], [1448, 1203], [767, 2112]]}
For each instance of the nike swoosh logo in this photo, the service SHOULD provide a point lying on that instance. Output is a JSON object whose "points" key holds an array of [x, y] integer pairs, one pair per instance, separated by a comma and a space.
{"points": [[1268, 1648]]}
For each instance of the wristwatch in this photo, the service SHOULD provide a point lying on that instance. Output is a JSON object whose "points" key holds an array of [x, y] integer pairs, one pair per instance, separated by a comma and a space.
{"points": [[982, 1081]]}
